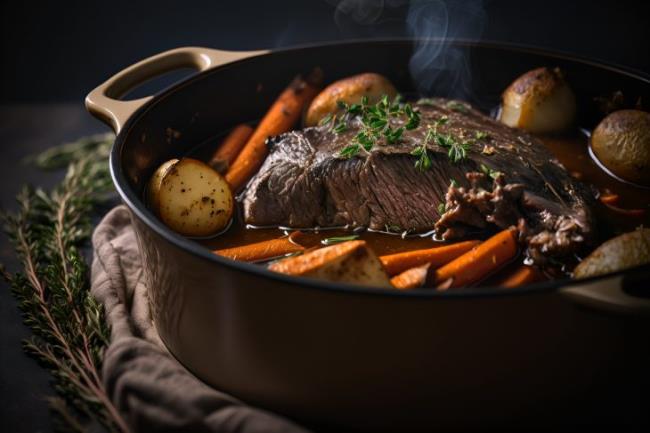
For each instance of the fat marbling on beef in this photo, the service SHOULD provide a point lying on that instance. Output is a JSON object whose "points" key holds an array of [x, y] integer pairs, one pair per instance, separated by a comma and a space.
{"points": [[304, 182]]}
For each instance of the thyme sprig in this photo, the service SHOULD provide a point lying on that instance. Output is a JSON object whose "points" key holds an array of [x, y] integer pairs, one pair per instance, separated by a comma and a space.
{"points": [[52, 288], [376, 123], [338, 239], [423, 162]]}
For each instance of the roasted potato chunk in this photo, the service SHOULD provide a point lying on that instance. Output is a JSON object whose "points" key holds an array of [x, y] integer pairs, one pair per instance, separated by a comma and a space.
{"points": [[153, 187], [349, 90], [622, 252], [350, 262], [621, 142], [540, 101], [191, 198]]}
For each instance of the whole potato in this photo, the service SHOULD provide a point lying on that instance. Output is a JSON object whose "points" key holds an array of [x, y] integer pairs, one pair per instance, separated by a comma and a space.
{"points": [[540, 101], [621, 142], [153, 187], [349, 90]]}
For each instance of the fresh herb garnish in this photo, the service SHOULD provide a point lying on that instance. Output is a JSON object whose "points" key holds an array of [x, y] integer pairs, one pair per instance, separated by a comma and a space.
{"points": [[424, 161], [325, 120], [442, 208], [453, 183], [490, 172], [457, 106], [376, 124], [338, 239], [392, 228], [456, 150]]}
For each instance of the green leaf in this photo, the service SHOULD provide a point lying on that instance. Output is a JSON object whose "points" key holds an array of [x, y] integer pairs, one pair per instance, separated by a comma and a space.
{"points": [[441, 208], [349, 151], [325, 120], [338, 239]]}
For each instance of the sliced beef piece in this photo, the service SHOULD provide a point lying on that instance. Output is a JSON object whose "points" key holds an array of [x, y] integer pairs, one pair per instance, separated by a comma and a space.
{"points": [[305, 183]]}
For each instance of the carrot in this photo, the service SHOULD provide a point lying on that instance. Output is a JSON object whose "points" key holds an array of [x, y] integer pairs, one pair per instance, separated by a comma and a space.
{"points": [[263, 250], [396, 263], [282, 115], [478, 262], [411, 278], [519, 277], [609, 198], [634, 213], [230, 147]]}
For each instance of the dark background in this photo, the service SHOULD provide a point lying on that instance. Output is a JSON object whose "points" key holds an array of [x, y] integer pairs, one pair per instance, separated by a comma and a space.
{"points": [[53, 53]]}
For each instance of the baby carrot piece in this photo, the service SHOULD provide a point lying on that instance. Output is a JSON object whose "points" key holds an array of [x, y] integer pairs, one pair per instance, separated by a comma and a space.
{"points": [[262, 250], [230, 147], [478, 262], [411, 278], [282, 115], [520, 277], [609, 199], [438, 256]]}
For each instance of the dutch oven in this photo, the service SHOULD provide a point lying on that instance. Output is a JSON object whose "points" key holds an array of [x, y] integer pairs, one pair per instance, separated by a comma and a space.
{"points": [[354, 358]]}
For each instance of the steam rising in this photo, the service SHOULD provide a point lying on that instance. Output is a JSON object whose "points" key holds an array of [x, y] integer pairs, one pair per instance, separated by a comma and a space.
{"points": [[437, 67]]}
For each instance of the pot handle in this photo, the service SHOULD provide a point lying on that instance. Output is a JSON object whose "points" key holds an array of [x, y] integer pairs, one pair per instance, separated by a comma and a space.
{"points": [[104, 101], [616, 294]]}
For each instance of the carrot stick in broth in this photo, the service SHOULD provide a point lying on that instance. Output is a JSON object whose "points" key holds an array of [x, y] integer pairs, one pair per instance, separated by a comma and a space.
{"points": [[438, 256], [479, 262], [263, 250], [225, 155], [520, 277], [282, 115]]}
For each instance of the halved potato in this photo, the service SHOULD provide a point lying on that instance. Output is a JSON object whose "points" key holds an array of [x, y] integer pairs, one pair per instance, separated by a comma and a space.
{"points": [[349, 262], [622, 252], [349, 90], [153, 187], [622, 143], [191, 198], [540, 101]]}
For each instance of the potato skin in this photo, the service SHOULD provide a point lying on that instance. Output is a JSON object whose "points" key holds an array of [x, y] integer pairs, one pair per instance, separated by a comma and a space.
{"points": [[195, 200], [622, 252], [621, 142], [539, 101], [350, 262], [349, 90], [153, 187]]}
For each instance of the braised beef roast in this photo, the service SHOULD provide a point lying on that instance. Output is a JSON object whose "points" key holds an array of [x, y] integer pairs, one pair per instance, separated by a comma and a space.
{"points": [[507, 178]]}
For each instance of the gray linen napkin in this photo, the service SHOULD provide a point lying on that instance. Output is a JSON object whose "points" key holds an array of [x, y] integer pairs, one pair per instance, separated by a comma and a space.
{"points": [[148, 386]]}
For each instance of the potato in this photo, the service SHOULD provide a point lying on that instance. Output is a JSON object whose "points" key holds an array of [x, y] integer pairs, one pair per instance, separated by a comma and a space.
{"points": [[621, 142], [191, 198], [540, 101], [153, 187], [349, 90], [349, 262], [622, 252]]}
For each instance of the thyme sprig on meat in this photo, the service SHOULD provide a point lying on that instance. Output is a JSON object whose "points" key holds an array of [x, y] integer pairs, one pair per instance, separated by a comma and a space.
{"points": [[376, 123]]}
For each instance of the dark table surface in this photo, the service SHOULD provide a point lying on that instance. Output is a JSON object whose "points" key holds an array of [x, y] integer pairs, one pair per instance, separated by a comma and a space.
{"points": [[58, 52]]}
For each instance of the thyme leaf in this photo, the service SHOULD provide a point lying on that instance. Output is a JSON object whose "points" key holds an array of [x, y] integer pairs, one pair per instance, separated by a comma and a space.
{"points": [[376, 123], [489, 171], [338, 239]]}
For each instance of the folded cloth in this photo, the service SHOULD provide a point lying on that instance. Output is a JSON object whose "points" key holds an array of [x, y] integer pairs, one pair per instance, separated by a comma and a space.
{"points": [[148, 386]]}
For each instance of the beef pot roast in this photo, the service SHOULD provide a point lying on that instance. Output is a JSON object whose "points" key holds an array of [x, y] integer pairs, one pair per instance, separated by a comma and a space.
{"points": [[507, 178]]}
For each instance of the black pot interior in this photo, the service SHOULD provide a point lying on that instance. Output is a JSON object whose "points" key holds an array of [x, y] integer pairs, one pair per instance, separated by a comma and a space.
{"points": [[202, 107]]}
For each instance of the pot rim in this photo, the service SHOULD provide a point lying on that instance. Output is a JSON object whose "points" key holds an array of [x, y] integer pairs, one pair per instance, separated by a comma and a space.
{"points": [[136, 205]]}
